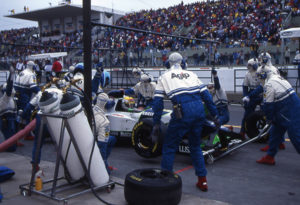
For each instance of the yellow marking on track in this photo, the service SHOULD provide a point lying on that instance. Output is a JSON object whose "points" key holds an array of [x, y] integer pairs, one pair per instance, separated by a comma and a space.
{"points": [[287, 140], [234, 126]]}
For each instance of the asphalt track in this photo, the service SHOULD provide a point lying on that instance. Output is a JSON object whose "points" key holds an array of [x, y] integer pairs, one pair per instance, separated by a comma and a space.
{"points": [[236, 179]]}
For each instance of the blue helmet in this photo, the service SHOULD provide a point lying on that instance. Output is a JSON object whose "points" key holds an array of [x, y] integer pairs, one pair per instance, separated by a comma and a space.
{"points": [[79, 67]]}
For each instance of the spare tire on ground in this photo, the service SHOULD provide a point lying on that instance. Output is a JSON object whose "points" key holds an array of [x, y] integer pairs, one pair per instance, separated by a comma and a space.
{"points": [[152, 186], [254, 123], [141, 139]]}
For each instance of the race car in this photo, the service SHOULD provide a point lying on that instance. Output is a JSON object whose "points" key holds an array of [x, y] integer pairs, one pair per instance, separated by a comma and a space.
{"points": [[138, 124]]}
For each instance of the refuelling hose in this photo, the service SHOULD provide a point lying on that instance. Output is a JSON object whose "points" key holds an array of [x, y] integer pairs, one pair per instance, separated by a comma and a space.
{"points": [[22, 133]]}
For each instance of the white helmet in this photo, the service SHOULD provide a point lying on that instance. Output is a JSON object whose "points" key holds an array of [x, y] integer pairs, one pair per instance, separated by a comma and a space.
{"points": [[265, 59], [252, 64], [175, 58], [71, 69], [266, 71], [30, 64], [145, 78], [137, 72], [102, 99]]}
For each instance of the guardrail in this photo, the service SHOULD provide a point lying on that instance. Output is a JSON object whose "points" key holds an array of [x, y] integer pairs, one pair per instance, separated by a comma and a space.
{"points": [[230, 79]]}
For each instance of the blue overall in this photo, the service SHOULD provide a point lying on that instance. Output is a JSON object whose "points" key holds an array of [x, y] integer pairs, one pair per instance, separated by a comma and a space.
{"points": [[285, 117], [256, 98], [105, 149], [191, 124]]}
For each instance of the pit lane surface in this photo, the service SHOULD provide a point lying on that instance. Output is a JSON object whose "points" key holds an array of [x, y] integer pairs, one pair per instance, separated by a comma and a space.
{"points": [[236, 179]]}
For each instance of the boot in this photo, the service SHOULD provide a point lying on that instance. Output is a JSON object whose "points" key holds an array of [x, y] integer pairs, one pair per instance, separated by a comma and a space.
{"points": [[37, 168], [266, 160], [282, 146], [264, 149], [202, 184]]}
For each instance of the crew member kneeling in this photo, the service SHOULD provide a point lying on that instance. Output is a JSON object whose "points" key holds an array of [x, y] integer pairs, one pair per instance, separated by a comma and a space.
{"points": [[186, 92]]}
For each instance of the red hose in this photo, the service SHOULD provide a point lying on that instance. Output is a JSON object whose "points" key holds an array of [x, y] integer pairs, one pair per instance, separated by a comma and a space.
{"points": [[13, 139]]}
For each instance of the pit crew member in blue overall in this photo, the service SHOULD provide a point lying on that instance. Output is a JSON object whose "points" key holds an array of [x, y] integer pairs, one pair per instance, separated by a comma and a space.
{"points": [[105, 140], [8, 110], [252, 96], [219, 98], [186, 92], [265, 60], [282, 109], [25, 85]]}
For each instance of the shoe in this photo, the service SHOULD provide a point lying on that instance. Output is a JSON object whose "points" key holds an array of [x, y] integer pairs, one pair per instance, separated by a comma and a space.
{"points": [[264, 149], [282, 146], [29, 137], [202, 183], [266, 160], [20, 144], [37, 168]]}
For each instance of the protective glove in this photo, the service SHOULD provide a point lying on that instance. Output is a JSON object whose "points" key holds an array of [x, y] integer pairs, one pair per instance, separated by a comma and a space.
{"points": [[155, 133], [246, 100], [213, 72]]}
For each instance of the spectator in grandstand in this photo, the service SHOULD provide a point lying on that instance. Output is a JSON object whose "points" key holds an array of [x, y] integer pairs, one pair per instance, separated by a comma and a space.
{"points": [[287, 55], [20, 66]]}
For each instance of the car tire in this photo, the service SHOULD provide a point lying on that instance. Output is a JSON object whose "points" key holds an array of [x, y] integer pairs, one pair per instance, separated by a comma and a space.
{"points": [[254, 123], [141, 139], [152, 186]]}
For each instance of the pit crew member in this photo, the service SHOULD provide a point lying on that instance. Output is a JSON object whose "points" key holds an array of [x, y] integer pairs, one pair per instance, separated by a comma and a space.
{"points": [[105, 140], [186, 92], [8, 110]]}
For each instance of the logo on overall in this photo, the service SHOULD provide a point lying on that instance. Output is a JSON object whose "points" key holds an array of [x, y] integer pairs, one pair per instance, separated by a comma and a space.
{"points": [[180, 75]]}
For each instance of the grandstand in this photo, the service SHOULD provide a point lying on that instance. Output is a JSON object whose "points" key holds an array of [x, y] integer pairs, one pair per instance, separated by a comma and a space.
{"points": [[241, 28]]}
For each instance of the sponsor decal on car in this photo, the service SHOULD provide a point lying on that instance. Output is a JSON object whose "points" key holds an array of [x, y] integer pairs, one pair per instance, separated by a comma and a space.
{"points": [[184, 149]]}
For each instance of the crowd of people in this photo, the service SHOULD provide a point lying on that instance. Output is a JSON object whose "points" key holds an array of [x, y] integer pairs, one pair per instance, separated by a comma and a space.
{"points": [[188, 96], [234, 24]]}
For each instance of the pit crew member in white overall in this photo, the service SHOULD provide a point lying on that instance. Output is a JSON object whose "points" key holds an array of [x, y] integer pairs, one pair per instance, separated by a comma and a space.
{"points": [[8, 110], [219, 98], [252, 96], [186, 92], [25, 85], [282, 109], [144, 90], [105, 140]]}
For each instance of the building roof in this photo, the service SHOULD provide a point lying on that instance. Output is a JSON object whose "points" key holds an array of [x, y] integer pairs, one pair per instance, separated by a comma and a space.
{"points": [[63, 10]]}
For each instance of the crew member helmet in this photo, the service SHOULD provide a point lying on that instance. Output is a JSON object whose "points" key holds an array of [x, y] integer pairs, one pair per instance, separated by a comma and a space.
{"points": [[175, 58]]}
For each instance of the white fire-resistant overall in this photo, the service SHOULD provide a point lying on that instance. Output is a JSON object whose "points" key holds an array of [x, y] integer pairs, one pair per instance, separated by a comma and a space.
{"points": [[50, 105], [70, 105]]}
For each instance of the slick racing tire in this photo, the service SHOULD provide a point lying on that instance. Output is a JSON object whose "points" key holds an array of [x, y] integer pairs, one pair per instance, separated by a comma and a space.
{"points": [[152, 186], [141, 139], [254, 123]]}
